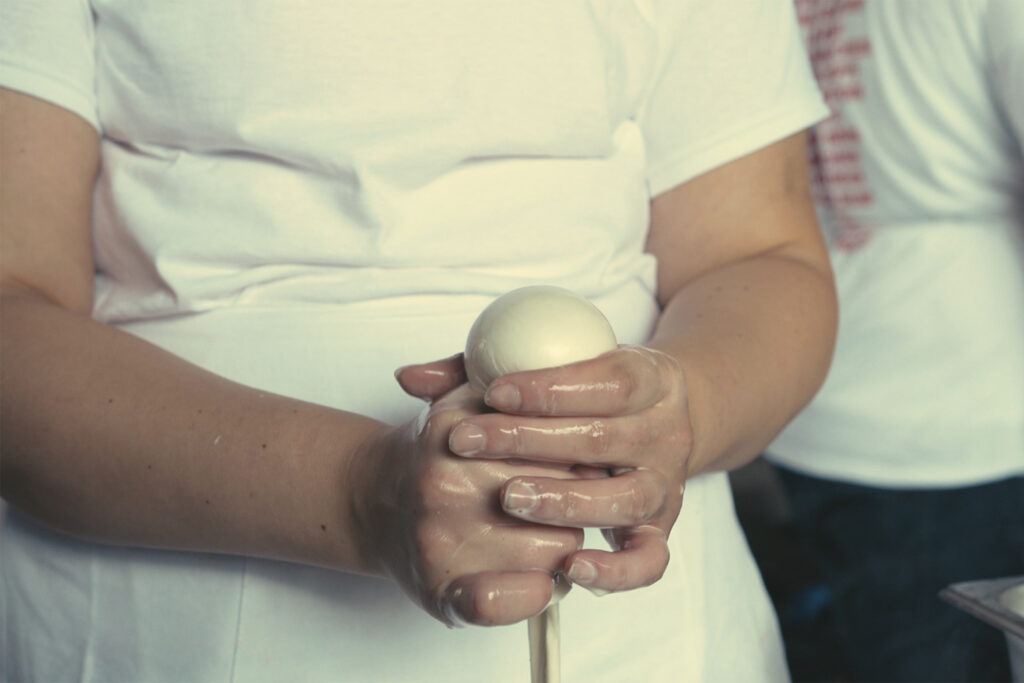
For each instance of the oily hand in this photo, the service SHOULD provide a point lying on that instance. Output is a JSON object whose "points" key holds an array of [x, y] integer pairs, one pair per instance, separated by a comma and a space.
{"points": [[626, 412], [432, 521]]}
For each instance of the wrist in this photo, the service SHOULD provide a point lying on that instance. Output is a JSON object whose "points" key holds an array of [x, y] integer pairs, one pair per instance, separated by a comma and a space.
{"points": [[367, 476], [345, 462]]}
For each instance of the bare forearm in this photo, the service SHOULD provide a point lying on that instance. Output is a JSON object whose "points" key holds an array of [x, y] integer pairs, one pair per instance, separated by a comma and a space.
{"points": [[110, 438], [755, 339]]}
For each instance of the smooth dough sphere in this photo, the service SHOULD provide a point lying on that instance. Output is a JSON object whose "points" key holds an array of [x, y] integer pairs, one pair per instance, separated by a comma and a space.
{"points": [[532, 328]]}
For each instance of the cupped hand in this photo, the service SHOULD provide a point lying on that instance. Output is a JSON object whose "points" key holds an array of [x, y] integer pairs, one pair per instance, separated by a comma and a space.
{"points": [[433, 522], [625, 411]]}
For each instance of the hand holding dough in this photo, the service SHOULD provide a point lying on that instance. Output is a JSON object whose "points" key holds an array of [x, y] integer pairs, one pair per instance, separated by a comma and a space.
{"points": [[624, 412]]}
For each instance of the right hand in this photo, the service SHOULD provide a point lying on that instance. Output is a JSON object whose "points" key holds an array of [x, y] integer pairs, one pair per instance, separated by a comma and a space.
{"points": [[433, 522]]}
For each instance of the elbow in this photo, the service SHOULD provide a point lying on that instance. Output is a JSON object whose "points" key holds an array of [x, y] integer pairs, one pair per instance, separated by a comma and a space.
{"points": [[78, 300]]}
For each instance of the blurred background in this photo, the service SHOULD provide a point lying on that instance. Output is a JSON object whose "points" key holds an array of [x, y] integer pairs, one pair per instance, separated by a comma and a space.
{"points": [[794, 580]]}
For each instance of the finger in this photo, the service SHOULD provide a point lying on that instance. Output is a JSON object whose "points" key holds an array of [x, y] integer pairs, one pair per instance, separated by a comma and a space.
{"points": [[593, 441], [510, 545], [621, 382], [641, 561], [627, 500], [430, 381], [495, 598]]}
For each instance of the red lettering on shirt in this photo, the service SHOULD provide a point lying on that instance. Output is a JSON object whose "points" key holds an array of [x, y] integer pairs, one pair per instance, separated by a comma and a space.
{"points": [[836, 50]]}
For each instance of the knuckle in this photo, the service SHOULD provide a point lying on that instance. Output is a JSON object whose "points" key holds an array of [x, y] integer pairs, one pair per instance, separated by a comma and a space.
{"points": [[625, 381], [447, 416], [555, 544], [435, 486], [659, 567], [513, 436], [436, 426], [667, 362], [643, 433], [536, 394], [564, 507], [639, 504], [662, 374], [654, 576], [656, 558], [434, 547], [429, 427], [599, 438], [618, 576], [643, 370], [647, 496], [653, 376]]}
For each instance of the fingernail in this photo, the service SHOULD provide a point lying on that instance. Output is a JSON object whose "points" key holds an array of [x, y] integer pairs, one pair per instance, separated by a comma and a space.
{"points": [[503, 397], [582, 572], [521, 497], [452, 616], [467, 439]]}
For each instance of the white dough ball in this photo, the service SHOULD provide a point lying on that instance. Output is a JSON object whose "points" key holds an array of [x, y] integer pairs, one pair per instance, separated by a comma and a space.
{"points": [[532, 328]]}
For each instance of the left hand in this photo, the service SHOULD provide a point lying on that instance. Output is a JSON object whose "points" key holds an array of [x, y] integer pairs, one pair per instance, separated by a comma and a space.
{"points": [[626, 412]]}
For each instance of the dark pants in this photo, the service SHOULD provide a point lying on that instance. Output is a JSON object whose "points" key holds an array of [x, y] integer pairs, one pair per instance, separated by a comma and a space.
{"points": [[885, 554]]}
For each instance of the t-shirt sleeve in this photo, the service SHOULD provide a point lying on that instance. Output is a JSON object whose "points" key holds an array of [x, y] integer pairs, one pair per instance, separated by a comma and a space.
{"points": [[1005, 35], [732, 77], [46, 50]]}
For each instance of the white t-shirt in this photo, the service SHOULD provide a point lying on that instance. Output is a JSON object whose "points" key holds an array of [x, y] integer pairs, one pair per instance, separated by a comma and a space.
{"points": [[303, 196], [921, 185]]}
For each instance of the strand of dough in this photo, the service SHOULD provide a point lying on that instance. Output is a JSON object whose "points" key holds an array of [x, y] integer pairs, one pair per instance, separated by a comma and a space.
{"points": [[528, 329]]}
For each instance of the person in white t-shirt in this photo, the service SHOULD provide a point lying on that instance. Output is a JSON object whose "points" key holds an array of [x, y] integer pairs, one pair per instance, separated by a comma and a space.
{"points": [[225, 225], [906, 472]]}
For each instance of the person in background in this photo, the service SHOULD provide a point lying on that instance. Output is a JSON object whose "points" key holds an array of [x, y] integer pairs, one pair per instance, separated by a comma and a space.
{"points": [[226, 224], [905, 472]]}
